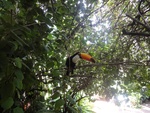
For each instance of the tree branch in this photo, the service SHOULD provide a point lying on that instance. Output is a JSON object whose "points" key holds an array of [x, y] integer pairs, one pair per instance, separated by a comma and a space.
{"points": [[137, 21], [141, 12], [134, 34], [81, 98]]}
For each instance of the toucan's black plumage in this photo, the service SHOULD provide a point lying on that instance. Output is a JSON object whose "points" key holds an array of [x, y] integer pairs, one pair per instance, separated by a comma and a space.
{"points": [[72, 60], [70, 64]]}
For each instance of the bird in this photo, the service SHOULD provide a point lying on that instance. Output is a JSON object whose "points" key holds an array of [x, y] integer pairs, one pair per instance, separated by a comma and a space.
{"points": [[72, 60]]}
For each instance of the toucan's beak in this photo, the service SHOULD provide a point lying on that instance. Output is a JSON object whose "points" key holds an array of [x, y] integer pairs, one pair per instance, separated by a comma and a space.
{"points": [[87, 57]]}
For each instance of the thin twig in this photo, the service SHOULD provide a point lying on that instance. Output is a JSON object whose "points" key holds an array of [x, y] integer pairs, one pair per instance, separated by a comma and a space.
{"points": [[121, 14], [70, 35], [19, 38], [29, 25]]}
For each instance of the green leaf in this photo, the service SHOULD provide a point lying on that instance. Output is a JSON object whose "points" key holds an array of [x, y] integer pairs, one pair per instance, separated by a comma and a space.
{"points": [[72, 109], [59, 103], [18, 110], [19, 74], [18, 62], [18, 83], [7, 103], [71, 100], [55, 96], [55, 73], [8, 5], [50, 36], [49, 64]]}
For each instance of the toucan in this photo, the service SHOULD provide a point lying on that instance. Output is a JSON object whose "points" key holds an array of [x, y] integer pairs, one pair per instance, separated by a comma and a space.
{"points": [[72, 60]]}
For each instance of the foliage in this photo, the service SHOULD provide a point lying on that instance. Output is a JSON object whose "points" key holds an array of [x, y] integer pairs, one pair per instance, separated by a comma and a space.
{"points": [[135, 99], [36, 36]]}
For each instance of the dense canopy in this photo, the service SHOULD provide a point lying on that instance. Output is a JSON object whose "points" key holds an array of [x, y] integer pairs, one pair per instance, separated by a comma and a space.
{"points": [[37, 36]]}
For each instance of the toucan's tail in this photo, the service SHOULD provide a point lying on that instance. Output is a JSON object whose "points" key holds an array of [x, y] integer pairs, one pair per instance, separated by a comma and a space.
{"points": [[68, 71]]}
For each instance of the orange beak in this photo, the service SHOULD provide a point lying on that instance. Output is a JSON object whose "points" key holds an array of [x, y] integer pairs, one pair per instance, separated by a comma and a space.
{"points": [[87, 57]]}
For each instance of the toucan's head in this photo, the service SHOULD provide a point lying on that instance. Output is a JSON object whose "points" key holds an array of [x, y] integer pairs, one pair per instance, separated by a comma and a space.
{"points": [[86, 57], [77, 56]]}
